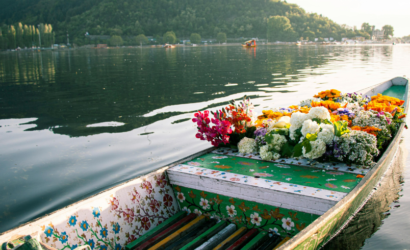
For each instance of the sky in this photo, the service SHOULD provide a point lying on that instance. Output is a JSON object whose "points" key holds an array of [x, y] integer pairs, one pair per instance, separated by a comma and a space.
{"points": [[355, 12]]}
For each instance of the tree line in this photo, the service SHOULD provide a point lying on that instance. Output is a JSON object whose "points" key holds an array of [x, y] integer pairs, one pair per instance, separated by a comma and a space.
{"points": [[26, 36], [208, 18]]}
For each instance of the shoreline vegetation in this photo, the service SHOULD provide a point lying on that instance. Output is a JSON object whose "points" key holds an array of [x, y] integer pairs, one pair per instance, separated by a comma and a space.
{"points": [[118, 23], [92, 46]]}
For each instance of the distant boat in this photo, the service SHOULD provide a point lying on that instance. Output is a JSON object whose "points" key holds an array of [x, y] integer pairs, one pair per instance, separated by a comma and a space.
{"points": [[250, 44], [168, 46], [298, 43]]}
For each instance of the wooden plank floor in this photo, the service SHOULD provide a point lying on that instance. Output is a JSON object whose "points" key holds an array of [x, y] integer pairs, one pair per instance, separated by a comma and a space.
{"points": [[187, 232]]}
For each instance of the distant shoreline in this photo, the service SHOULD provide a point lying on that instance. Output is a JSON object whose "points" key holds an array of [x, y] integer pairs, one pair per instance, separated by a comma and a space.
{"points": [[209, 45]]}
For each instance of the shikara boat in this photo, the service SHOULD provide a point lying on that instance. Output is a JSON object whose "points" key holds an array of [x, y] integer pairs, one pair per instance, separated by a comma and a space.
{"points": [[220, 199]]}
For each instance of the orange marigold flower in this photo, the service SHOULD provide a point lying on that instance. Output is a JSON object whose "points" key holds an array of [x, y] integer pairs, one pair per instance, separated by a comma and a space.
{"points": [[331, 105], [329, 94], [368, 129], [334, 118]]}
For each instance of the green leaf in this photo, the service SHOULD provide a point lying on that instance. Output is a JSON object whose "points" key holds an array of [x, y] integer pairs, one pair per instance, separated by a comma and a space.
{"points": [[340, 128], [319, 121], [327, 122], [269, 137], [297, 150], [286, 150], [307, 145]]}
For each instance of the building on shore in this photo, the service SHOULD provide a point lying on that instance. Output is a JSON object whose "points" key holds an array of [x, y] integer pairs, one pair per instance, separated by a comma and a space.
{"points": [[377, 35]]}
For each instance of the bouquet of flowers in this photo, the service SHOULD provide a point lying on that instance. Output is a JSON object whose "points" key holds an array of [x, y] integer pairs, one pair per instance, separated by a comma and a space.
{"points": [[351, 128]]}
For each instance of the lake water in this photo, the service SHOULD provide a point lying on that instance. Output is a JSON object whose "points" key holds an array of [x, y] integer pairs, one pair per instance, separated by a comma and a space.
{"points": [[75, 122]]}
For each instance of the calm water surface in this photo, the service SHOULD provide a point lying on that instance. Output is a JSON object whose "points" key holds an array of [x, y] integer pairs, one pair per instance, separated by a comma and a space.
{"points": [[75, 122]]}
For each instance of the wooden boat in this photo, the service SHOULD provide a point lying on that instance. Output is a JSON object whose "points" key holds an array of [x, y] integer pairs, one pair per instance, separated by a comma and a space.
{"points": [[249, 46], [251, 203]]}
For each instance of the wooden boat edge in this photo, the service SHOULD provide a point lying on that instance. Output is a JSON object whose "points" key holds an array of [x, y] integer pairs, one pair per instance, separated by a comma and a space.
{"points": [[313, 230], [25, 226]]}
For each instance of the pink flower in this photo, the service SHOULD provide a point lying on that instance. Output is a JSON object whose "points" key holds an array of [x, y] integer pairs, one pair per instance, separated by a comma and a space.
{"points": [[145, 223], [114, 203], [161, 181], [135, 196], [147, 186], [216, 134], [131, 238], [154, 205], [168, 200], [128, 215]]}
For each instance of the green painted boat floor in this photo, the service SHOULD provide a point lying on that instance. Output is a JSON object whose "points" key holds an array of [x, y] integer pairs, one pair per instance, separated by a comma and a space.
{"points": [[396, 91], [299, 175]]}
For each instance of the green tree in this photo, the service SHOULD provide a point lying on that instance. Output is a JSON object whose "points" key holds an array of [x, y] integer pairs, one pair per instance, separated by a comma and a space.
{"points": [[195, 38], [116, 41], [221, 37], [366, 27], [388, 31], [141, 39], [280, 29], [116, 32], [169, 37], [138, 28], [309, 35]]}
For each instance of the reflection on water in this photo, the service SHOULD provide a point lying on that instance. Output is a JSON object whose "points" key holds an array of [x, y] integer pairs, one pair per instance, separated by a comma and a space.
{"points": [[74, 122], [370, 217]]}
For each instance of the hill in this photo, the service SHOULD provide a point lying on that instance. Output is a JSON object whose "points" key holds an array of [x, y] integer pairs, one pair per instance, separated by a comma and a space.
{"points": [[236, 18]]}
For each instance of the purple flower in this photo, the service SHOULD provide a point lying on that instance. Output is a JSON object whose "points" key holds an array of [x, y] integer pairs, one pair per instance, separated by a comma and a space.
{"points": [[260, 132]]}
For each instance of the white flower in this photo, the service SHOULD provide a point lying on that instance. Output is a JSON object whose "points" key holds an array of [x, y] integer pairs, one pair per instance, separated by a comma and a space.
{"points": [[297, 119], [197, 212], [274, 230], [265, 154], [287, 223], [358, 147], [327, 133], [247, 146], [256, 219], [308, 102], [187, 210], [204, 203], [310, 127], [231, 210], [318, 149], [277, 142], [275, 156], [268, 124], [292, 133], [284, 119], [355, 107], [319, 112], [180, 197]]}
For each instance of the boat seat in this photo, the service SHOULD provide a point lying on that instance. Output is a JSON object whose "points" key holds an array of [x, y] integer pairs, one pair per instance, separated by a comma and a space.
{"points": [[297, 187]]}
